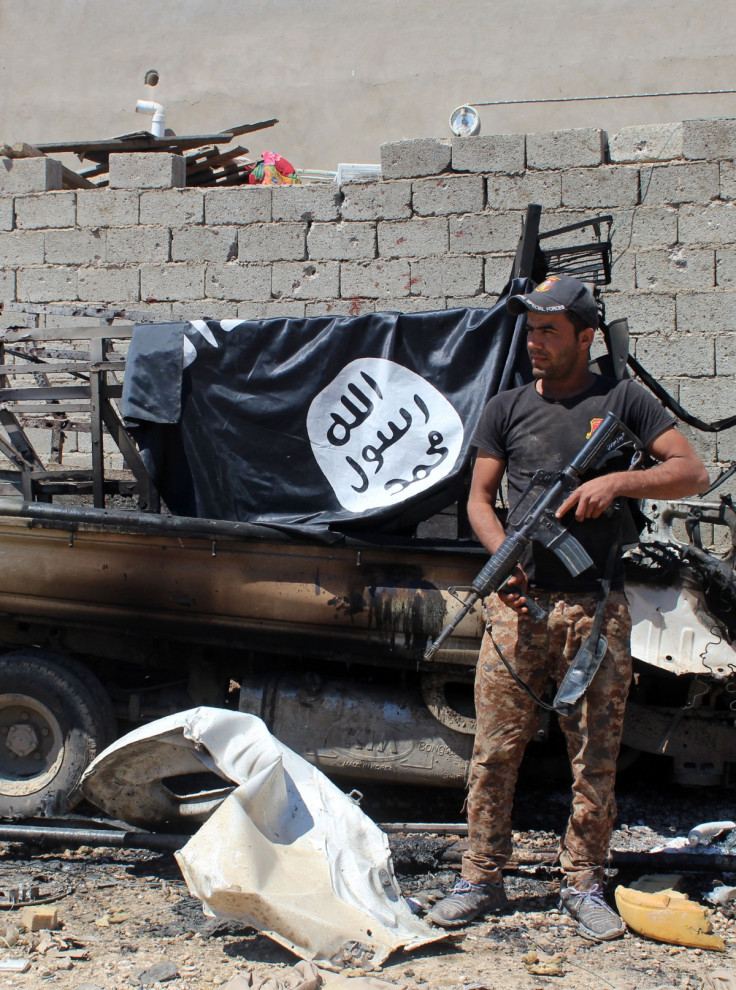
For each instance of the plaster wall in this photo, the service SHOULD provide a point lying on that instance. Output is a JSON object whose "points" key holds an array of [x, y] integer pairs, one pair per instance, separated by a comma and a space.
{"points": [[343, 78]]}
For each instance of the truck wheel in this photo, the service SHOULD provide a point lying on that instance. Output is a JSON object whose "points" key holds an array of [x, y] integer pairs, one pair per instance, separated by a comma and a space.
{"points": [[106, 719], [51, 728]]}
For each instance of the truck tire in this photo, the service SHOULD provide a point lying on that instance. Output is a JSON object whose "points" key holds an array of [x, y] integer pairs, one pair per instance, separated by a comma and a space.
{"points": [[51, 728], [107, 719]]}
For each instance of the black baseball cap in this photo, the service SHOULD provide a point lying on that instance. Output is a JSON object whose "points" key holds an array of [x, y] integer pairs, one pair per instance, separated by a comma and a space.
{"points": [[555, 295]]}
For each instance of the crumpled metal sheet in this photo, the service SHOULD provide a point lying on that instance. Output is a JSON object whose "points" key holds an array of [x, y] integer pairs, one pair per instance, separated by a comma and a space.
{"points": [[286, 852]]}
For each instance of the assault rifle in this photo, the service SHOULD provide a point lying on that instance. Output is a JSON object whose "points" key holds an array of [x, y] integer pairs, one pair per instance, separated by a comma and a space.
{"points": [[533, 518]]}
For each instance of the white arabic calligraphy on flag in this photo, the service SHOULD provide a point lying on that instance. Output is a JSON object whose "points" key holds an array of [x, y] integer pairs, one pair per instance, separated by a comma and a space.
{"points": [[382, 434]]}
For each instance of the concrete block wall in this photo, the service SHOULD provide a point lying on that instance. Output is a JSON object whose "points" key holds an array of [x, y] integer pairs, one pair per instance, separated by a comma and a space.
{"points": [[438, 231]]}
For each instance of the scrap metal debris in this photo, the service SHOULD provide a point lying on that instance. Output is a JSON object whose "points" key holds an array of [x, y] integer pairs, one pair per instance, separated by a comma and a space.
{"points": [[286, 853], [206, 164], [38, 890]]}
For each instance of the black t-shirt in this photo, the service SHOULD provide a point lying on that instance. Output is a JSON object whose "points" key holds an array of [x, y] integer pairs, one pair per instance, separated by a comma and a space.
{"points": [[532, 433]]}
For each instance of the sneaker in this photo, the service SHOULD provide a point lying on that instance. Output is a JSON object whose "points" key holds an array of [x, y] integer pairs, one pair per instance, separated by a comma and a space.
{"points": [[596, 920], [466, 902]]}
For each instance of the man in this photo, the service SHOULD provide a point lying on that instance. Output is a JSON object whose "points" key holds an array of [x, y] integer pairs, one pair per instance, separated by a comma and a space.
{"points": [[542, 426]]}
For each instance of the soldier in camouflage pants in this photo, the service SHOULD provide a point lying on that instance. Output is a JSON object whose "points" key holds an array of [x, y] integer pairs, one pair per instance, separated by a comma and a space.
{"points": [[540, 653], [540, 427]]}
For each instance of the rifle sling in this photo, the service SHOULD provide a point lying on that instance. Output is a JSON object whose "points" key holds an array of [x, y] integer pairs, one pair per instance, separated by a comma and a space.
{"points": [[594, 633]]}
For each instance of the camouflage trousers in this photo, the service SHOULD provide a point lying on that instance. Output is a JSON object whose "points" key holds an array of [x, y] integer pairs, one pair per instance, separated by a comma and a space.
{"points": [[540, 653]]}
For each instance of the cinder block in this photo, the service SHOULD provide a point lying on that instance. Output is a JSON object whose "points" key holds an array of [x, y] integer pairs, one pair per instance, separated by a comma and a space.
{"points": [[243, 204], [34, 919], [515, 192], [159, 312], [646, 226], [203, 309], [422, 156], [581, 146], [172, 208], [9, 319], [678, 268], [728, 180], [414, 304], [704, 444], [709, 400], [706, 312], [306, 280], [646, 143], [647, 312], [113, 461], [137, 244], [21, 247], [147, 170], [376, 201], [682, 354], [726, 354], [74, 247], [40, 439], [714, 223], [273, 242], [458, 276], [7, 212], [345, 241], [696, 183], [238, 281], [71, 444], [497, 272], [485, 300], [355, 306], [489, 153], [623, 272], [54, 209], [84, 450], [482, 233], [712, 138], [311, 202], [101, 284], [47, 284], [59, 321], [7, 286], [164, 283], [604, 187], [107, 208], [204, 244], [274, 310], [375, 279], [449, 194], [726, 267], [29, 175], [412, 238], [725, 453]]}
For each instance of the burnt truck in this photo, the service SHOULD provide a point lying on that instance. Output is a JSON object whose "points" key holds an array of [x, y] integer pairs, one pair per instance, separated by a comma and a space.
{"points": [[284, 533]]}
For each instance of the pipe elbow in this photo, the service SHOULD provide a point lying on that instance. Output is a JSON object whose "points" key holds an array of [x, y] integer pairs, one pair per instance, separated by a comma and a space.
{"points": [[157, 124]]}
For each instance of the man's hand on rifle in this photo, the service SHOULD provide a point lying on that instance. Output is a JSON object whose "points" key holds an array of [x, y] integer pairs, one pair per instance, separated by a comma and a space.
{"points": [[679, 472], [592, 498], [512, 592]]}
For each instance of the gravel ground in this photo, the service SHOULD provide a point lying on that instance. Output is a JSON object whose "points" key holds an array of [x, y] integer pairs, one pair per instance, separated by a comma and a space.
{"points": [[127, 918]]}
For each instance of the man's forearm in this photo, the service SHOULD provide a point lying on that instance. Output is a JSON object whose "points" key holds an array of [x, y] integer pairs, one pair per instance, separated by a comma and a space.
{"points": [[486, 525], [675, 478]]}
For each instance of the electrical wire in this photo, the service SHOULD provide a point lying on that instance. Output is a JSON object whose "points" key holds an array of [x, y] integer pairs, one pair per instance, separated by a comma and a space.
{"points": [[591, 99]]}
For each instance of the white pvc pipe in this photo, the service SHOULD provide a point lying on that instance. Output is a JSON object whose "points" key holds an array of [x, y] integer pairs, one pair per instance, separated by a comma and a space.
{"points": [[157, 124]]}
